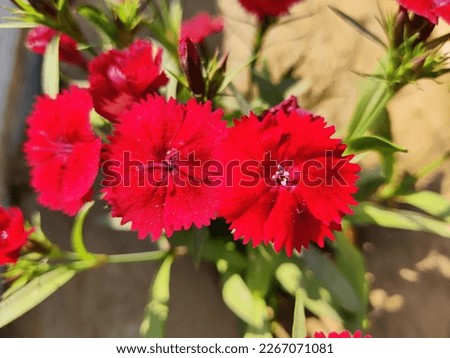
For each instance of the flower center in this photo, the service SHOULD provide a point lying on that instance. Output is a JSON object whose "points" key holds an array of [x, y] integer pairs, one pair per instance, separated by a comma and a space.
{"points": [[281, 176], [171, 159], [3, 235]]}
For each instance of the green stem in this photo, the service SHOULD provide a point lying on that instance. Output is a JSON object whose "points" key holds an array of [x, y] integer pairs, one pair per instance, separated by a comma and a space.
{"points": [[137, 257], [264, 26]]}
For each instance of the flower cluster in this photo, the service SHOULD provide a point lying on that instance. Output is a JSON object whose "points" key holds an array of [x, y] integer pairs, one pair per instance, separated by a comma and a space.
{"points": [[277, 178]]}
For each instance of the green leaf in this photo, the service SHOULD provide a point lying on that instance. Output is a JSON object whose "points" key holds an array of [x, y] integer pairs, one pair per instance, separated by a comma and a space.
{"points": [[376, 143], [77, 233], [332, 278], [315, 298], [61, 4], [299, 326], [367, 213], [50, 68], [17, 25], [261, 269], [157, 310], [230, 76], [239, 299], [370, 109], [98, 19], [358, 26], [33, 294], [430, 202], [351, 263]]}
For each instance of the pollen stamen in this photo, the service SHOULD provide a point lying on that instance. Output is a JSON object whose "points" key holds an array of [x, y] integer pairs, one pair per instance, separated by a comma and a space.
{"points": [[281, 176]]}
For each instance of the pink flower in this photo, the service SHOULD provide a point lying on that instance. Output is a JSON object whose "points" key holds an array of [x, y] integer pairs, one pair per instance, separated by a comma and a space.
{"points": [[13, 235], [118, 79], [155, 166], [62, 150], [343, 334], [293, 183], [39, 38], [263, 8], [431, 9], [200, 27]]}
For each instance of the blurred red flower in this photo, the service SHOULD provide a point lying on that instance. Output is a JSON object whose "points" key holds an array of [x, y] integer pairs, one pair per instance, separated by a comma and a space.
{"points": [[13, 235], [154, 173], [62, 150], [343, 334], [39, 38], [118, 79], [431, 9], [293, 184], [264, 8], [200, 27]]}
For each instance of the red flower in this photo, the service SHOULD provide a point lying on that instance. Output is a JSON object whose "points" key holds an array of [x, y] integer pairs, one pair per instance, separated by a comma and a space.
{"points": [[200, 27], [292, 184], [121, 78], [13, 235], [39, 38], [264, 8], [431, 9], [156, 169], [62, 150], [287, 106], [343, 334]]}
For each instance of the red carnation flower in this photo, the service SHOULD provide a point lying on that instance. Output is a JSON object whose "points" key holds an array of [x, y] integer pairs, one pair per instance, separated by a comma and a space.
{"points": [[431, 9], [287, 106], [264, 8], [157, 172], [119, 79], [13, 235], [62, 150], [39, 37], [343, 334], [289, 183], [200, 27]]}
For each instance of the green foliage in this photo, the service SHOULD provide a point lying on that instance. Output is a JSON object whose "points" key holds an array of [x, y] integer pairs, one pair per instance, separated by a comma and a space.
{"points": [[157, 310], [299, 326], [30, 295], [50, 69]]}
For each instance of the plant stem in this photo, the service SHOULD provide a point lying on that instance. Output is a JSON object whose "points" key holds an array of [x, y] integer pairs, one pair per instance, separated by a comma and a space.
{"points": [[137, 257], [263, 26]]}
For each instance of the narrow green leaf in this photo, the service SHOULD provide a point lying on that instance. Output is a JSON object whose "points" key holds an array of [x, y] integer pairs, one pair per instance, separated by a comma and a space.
{"points": [[376, 143], [367, 213], [358, 26], [17, 25], [299, 326], [98, 19], [157, 310], [33, 294], [430, 202], [229, 77], [332, 278], [77, 232], [50, 68], [240, 301], [61, 4]]}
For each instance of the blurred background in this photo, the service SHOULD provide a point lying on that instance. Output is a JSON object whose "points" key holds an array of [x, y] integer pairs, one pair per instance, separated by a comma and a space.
{"points": [[409, 272]]}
